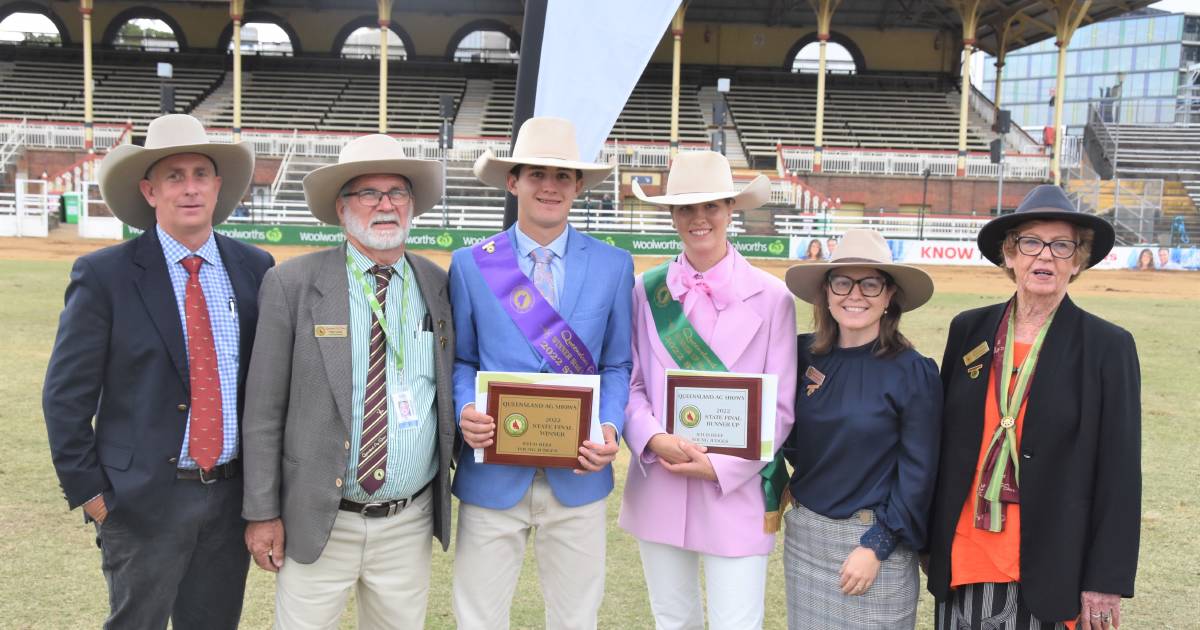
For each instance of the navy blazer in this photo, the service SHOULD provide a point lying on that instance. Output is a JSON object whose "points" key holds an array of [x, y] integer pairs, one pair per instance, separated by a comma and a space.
{"points": [[119, 357], [1080, 450]]}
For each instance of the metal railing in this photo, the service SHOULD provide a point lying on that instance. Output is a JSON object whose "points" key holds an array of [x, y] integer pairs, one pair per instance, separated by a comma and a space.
{"points": [[913, 163], [282, 170], [826, 224]]}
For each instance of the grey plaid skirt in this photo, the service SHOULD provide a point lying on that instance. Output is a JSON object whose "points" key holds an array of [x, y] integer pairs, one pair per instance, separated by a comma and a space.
{"points": [[813, 552]]}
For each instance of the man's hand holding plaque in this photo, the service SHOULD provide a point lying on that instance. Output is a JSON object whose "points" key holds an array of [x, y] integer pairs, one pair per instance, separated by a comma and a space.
{"points": [[538, 420], [726, 413]]}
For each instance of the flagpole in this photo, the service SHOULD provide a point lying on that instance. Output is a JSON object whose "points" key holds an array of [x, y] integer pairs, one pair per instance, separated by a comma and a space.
{"points": [[532, 29]]}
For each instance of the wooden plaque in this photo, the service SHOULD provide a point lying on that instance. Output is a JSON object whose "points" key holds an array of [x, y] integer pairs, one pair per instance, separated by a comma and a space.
{"points": [[538, 425], [723, 413]]}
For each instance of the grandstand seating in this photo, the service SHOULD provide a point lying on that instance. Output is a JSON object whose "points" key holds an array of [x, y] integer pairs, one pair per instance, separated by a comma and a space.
{"points": [[1165, 152], [340, 102], [867, 118], [646, 116], [54, 91]]}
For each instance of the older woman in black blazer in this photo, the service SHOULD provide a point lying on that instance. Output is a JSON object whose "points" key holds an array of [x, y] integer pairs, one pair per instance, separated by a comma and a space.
{"points": [[1038, 500]]}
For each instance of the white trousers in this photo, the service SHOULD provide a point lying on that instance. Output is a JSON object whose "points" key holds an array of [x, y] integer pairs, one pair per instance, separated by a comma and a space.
{"points": [[490, 548], [736, 588], [385, 560]]}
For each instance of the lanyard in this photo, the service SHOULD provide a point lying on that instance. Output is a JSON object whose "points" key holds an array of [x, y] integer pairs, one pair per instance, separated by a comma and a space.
{"points": [[1010, 403], [377, 309]]}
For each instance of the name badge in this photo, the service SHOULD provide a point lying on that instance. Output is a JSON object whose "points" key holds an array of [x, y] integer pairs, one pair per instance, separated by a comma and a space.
{"points": [[975, 353], [817, 378], [329, 330], [406, 411]]}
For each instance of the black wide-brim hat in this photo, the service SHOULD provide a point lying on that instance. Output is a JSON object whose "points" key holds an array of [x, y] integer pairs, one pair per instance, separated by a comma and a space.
{"points": [[1045, 203]]}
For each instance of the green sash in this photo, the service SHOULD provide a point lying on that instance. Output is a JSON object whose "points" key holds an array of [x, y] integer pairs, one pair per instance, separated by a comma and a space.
{"points": [[690, 352]]}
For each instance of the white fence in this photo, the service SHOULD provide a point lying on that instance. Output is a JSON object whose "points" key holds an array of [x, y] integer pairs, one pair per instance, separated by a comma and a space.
{"points": [[26, 210], [913, 164], [831, 224]]}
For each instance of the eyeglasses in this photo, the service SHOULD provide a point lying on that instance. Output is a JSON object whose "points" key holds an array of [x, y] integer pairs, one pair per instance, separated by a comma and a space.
{"points": [[1033, 246], [370, 197], [870, 286]]}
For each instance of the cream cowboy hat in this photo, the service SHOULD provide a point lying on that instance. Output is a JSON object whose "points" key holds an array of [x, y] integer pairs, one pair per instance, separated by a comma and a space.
{"points": [[125, 167], [702, 176], [863, 248], [541, 141], [371, 155]]}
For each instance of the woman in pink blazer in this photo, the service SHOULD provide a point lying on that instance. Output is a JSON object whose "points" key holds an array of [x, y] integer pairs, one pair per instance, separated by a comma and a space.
{"points": [[683, 504]]}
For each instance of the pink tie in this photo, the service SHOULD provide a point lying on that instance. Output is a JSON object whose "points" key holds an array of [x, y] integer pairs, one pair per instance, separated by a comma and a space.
{"points": [[205, 431], [543, 276]]}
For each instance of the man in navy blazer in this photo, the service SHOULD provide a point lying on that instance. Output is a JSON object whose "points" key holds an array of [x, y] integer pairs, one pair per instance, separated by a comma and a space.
{"points": [[589, 285], [161, 481]]}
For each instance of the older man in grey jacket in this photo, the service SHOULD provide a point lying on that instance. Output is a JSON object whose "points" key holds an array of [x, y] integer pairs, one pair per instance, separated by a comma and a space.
{"points": [[349, 427]]}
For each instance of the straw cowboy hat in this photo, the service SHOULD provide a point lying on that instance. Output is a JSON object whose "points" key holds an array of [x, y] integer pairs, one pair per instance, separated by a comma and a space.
{"points": [[541, 141], [371, 155], [703, 176], [1045, 203], [126, 166], [863, 248]]}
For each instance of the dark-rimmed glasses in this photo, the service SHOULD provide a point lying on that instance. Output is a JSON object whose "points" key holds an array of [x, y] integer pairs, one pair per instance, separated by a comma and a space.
{"points": [[1033, 246], [870, 286], [369, 197]]}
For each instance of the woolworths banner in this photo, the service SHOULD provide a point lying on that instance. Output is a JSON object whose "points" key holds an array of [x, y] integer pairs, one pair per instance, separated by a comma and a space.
{"points": [[448, 240]]}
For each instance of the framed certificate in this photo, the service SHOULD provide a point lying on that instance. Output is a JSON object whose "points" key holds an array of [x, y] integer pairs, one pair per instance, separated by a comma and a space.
{"points": [[538, 425], [571, 407], [721, 411]]}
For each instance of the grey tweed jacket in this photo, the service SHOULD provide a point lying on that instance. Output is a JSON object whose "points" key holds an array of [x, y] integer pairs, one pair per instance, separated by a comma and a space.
{"points": [[297, 422]]}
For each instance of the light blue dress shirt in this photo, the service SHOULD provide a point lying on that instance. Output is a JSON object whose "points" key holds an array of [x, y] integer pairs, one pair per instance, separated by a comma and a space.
{"points": [[412, 458], [558, 265], [222, 315]]}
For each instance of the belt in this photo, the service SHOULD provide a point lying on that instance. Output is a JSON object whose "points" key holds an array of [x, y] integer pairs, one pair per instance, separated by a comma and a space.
{"points": [[228, 470], [381, 509]]}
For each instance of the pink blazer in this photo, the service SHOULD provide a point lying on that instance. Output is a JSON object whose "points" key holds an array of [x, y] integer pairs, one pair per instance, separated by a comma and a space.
{"points": [[757, 334]]}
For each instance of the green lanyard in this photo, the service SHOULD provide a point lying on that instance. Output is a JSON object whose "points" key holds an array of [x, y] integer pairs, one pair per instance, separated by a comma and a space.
{"points": [[1010, 404], [377, 308]]}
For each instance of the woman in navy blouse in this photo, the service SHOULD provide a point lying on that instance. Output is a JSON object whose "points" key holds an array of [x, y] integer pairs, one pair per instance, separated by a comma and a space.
{"points": [[864, 446]]}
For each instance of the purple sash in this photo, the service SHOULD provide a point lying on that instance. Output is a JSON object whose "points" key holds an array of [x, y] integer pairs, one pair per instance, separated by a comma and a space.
{"points": [[545, 329]]}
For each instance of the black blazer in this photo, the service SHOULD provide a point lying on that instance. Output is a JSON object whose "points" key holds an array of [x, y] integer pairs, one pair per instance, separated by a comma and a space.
{"points": [[1080, 458], [119, 357]]}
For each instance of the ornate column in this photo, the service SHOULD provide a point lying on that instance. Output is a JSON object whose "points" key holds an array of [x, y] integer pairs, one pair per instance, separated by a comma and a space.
{"points": [[824, 10], [1069, 15], [676, 54], [236, 11], [968, 11], [85, 9], [385, 21]]}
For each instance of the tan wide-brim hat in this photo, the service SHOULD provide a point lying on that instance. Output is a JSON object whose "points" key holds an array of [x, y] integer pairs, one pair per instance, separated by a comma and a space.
{"points": [[703, 176], [541, 141], [125, 167], [374, 154], [863, 248]]}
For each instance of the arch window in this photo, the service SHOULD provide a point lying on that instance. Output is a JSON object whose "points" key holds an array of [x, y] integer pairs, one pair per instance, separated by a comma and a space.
{"points": [[483, 46], [150, 34], [29, 29], [838, 59], [363, 43], [264, 38]]}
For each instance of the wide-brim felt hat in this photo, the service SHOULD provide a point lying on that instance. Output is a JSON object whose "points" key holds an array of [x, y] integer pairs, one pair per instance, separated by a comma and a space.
{"points": [[123, 169], [541, 141], [703, 176], [1045, 203], [863, 248], [373, 154]]}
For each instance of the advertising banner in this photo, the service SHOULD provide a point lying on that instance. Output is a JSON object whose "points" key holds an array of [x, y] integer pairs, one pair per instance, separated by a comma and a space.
{"points": [[965, 253], [452, 239]]}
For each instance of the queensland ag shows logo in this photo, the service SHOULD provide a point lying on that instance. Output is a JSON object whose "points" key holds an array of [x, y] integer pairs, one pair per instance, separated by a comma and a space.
{"points": [[689, 416], [516, 424]]}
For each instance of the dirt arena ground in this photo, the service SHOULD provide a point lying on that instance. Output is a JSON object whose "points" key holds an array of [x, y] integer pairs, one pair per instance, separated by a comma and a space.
{"points": [[64, 245]]}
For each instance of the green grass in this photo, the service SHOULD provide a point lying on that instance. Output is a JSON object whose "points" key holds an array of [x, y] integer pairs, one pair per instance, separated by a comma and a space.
{"points": [[50, 571]]}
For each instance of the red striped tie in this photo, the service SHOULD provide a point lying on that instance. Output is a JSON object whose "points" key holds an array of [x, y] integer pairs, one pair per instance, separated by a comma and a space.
{"points": [[372, 449], [205, 430]]}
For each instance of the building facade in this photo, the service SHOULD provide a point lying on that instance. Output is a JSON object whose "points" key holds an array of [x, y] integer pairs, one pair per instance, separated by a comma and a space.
{"points": [[1140, 62]]}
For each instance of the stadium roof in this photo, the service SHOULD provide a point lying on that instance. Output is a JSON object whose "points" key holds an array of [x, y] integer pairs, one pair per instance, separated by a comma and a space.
{"points": [[1032, 20]]}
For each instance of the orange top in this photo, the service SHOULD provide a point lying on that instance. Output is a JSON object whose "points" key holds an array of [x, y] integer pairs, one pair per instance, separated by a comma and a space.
{"points": [[978, 555]]}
